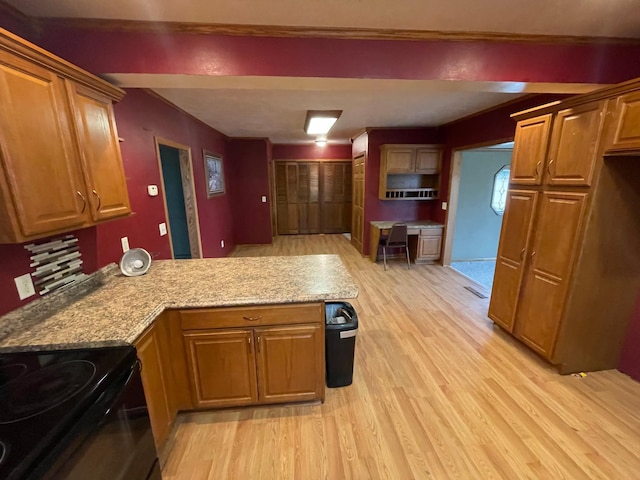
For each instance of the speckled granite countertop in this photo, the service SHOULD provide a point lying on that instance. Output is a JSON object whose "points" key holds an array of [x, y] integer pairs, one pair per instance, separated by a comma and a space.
{"points": [[111, 309]]}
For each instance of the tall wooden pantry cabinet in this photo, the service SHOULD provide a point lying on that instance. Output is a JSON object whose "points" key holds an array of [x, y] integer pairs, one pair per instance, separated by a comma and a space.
{"points": [[568, 264]]}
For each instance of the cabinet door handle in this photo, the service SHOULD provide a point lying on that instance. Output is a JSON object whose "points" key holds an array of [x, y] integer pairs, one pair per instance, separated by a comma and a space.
{"points": [[533, 254], [249, 340], [99, 199], [259, 343], [538, 168], [522, 254], [549, 167], [252, 319], [84, 201]]}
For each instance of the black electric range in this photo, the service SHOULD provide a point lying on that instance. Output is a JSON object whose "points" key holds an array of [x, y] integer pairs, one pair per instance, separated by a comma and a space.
{"points": [[68, 414]]}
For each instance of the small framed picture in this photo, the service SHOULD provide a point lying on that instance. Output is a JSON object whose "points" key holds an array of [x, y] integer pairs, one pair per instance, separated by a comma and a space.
{"points": [[214, 174]]}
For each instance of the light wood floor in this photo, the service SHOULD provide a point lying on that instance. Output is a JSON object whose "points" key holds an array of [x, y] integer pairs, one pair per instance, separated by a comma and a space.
{"points": [[438, 393]]}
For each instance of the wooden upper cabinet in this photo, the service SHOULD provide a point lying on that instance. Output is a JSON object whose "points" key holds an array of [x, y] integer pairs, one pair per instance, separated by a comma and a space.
{"points": [[400, 159], [551, 257], [222, 367], [100, 152], [530, 150], [517, 226], [58, 144], [627, 130], [290, 363], [42, 180], [428, 160], [574, 144]]}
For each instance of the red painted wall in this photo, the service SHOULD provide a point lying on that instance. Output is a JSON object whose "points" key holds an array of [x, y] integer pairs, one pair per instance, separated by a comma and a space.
{"points": [[180, 53], [311, 152], [249, 181], [17, 23], [140, 117], [630, 359]]}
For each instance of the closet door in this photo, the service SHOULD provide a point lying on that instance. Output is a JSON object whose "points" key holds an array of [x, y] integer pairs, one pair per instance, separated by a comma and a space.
{"points": [[336, 197], [357, 211], [308, 199], [286, 197]]}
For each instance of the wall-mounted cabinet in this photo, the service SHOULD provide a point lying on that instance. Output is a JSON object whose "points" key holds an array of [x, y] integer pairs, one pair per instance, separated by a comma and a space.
{"points": [[410, 172], [60, 164]]}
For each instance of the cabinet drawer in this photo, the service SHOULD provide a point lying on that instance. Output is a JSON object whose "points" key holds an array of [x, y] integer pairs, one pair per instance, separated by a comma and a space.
{"points": [[251, 316], [431, 232]]}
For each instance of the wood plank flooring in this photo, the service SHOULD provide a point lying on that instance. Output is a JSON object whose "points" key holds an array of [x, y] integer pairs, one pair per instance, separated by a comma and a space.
{"points": [[438, 393]]}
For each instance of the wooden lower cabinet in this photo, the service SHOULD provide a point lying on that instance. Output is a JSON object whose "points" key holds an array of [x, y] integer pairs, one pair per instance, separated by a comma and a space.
{"points": [[222, 367], [254, 355], [429, 245], [290, 363], [155, 382]]}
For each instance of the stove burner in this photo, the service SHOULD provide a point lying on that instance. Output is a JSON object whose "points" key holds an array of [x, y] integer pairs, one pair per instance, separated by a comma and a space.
{"points": [[12, 371], [43, 389]]}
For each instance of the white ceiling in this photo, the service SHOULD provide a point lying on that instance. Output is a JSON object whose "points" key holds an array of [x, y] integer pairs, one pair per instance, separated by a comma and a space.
{"points": [[276, 107]]}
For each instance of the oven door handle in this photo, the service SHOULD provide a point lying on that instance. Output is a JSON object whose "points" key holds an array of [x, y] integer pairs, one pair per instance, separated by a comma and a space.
{"points": [[113, 400]]}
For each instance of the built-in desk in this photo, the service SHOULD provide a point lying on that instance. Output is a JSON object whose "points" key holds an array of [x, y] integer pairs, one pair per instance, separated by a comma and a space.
{"points": [[425, 239]]}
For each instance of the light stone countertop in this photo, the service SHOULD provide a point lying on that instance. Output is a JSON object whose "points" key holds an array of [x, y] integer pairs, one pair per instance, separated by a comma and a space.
{"points": [[113, 309]]}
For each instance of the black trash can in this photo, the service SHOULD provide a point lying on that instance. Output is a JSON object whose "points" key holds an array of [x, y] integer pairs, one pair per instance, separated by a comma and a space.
{"points": [[341, 327]]}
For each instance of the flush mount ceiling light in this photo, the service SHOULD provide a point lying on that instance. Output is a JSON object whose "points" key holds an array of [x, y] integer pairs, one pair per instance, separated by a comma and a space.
{"points": [[319, 122], [321, 142]]}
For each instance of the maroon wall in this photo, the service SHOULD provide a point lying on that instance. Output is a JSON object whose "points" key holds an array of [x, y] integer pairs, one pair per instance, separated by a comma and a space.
{"points": [[104, 51], [249, 181], [140, 117], [630, 359], [311, 152]]}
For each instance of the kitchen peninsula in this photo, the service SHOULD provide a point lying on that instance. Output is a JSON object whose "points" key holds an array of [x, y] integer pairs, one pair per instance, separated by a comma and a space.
{"points": [[209, 332]]}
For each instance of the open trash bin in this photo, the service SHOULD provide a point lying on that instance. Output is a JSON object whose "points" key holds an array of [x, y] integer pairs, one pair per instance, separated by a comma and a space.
{"points": [[341, 327]]}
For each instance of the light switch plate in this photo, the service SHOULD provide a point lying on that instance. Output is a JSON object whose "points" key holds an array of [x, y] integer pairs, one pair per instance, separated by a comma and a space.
{"points": [[222, 243], [163, 229], [444, 205], [125, 244], [264, 199], [24, 284]]}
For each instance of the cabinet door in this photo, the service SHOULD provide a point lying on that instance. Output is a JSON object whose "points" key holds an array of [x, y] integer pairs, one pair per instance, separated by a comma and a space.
{"points": [[574, 144], [517, 225], [39, 157], [100, 150], [627, 130], [429, 244], [530, 150], [551, 258], [428, 160], [400, 160], [221, 367], [155, 385], [290, 363]]}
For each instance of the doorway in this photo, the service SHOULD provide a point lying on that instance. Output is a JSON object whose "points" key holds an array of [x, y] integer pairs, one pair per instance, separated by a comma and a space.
{"points": [[181, 213], [475, 214]]}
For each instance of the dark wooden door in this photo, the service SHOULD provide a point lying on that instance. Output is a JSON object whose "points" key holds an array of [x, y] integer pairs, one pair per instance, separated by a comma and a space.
{"points": [[336, 197], [313, 197], [357, 210]]}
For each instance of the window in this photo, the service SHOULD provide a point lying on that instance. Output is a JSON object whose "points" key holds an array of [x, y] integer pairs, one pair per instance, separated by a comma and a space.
{"points": [[500, 186]]}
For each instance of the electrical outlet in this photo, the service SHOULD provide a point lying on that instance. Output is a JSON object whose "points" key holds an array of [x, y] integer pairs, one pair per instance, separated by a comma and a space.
{"points": [[163, 229], [125, 244], [444, 205], [24, 284], [222, 243], [264, 199]]}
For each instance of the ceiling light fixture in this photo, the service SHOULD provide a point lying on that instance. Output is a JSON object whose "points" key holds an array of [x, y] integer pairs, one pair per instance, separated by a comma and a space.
{"points": [[321, 142], [319, 122]]}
